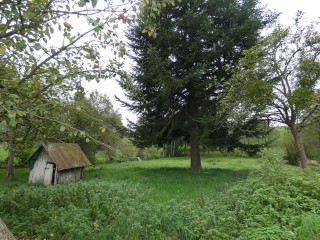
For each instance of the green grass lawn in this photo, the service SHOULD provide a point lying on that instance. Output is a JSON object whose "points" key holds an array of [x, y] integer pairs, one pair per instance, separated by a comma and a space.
{"points": [[170, 178]]}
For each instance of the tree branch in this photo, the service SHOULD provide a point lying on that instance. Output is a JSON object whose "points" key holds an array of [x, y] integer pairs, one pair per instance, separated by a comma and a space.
{"points": [[33, 72]]}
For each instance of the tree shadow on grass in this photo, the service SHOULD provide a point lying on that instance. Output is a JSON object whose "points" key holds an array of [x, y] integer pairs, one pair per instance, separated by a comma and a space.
{"points": [[180, 183], [168, 173], [181, 171], [173, 182]]}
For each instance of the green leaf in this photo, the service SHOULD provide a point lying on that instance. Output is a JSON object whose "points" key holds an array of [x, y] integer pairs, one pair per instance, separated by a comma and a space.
{"points": [[2, 49], [62, 128], [97, 28], [21, 113], [20, 45], [3, 27], [3, 126], [13, 96], [13, 122], [118, 152], [12, 114], [94, 3], [9, 103], [87, 140], [82, 3]]}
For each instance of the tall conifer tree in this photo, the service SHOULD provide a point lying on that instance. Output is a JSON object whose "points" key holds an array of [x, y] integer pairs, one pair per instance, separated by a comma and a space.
{"points": [[180, 74]]}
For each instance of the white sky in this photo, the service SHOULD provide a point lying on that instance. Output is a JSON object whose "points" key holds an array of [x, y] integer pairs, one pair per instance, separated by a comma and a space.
{"points": [[288, 8]]}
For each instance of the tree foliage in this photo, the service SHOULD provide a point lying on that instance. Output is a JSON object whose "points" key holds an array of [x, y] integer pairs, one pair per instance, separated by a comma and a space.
{"points": [[278, 79], [94, 115], [47, 47], [180, 74]]}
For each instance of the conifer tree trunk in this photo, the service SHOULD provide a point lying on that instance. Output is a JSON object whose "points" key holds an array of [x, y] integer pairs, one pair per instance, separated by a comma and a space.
{"points": [[195, 148]]}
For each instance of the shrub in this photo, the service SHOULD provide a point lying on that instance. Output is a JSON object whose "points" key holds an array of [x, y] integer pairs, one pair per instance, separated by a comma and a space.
{"points": [[266, 233], [75, 210], [272, 202], [100, 210], [23, 154], [291, 154]]}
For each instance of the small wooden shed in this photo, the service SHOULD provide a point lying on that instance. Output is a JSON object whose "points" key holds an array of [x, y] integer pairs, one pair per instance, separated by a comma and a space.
{"points": [[57, 163]]}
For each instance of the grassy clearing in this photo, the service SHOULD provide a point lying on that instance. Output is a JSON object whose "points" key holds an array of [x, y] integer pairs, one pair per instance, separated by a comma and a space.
{"points": [[161, 199], [170, 178]]}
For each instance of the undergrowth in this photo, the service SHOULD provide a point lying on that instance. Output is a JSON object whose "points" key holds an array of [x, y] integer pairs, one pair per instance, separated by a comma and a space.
{"points": [[272, 203]]}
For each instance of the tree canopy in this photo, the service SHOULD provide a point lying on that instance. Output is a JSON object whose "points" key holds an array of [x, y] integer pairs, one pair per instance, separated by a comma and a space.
{"points": [[278, 79], [180, 74], [44, 55], [47, 48], [94, 114]]}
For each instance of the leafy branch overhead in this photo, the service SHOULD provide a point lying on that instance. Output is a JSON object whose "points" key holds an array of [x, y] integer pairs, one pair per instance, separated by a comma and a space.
{"points": [[58, 43], [47, 48]]}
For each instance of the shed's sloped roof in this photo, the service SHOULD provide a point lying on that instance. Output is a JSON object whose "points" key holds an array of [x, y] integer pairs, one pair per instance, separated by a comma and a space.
{"points": [[67, 155], [64, 155]]}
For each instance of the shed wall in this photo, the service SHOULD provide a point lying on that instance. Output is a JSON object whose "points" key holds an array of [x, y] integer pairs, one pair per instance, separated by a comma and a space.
{"points": [[37, 173], [73, 174]]}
